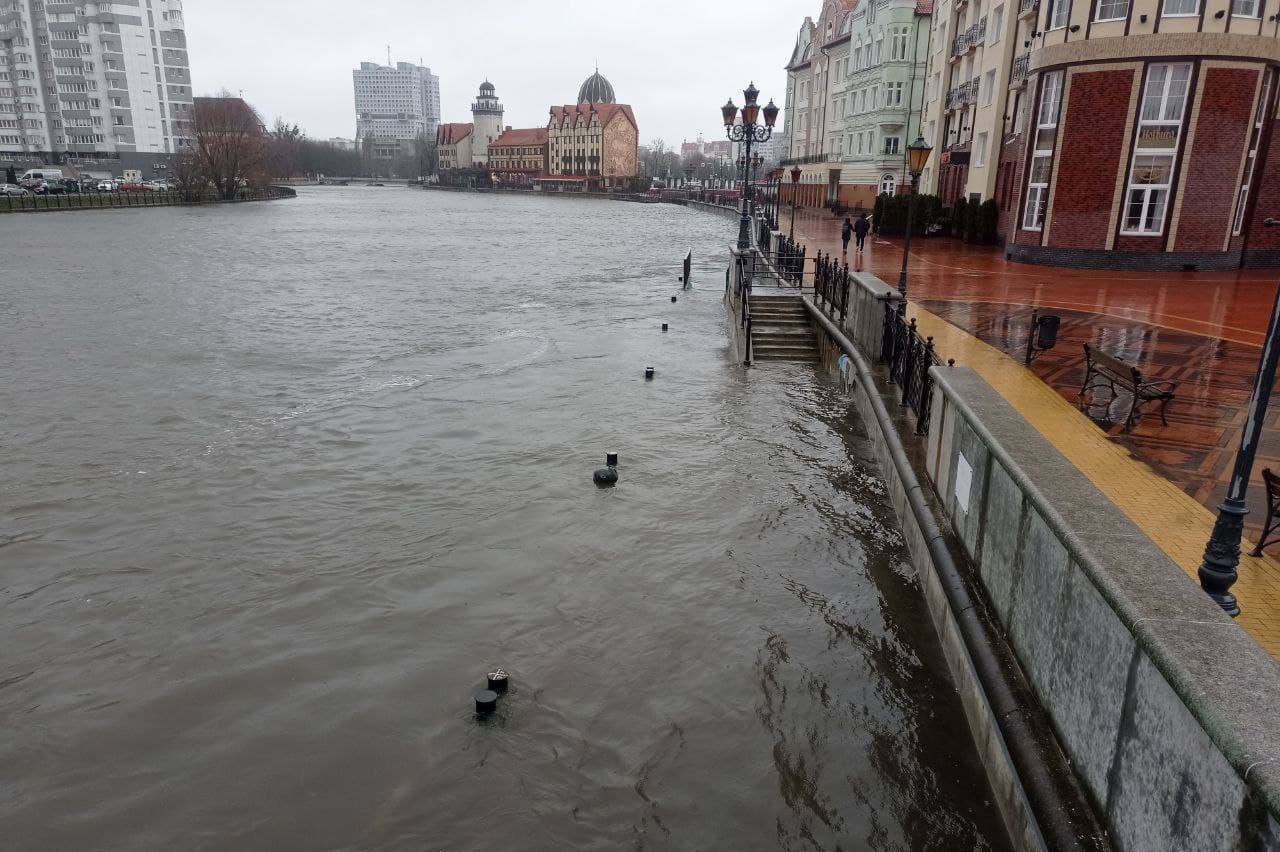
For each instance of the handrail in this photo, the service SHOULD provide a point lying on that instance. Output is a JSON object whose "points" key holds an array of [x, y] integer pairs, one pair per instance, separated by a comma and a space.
{"points": [[909, 358]]}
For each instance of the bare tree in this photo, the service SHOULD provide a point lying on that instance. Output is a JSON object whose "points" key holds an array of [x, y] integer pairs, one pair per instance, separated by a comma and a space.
{"points": [[231, 143], [286, 143]]}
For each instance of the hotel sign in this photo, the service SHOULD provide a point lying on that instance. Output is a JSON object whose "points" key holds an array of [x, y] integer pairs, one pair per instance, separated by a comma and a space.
{"points": [[955, 158], [1163, 138]]}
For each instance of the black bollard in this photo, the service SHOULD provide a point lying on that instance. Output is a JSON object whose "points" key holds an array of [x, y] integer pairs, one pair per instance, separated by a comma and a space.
{"points": [[673, 298], [611, 459], [486, 702], [664, 326], [648, 374], [498, 681], [605, 477]]}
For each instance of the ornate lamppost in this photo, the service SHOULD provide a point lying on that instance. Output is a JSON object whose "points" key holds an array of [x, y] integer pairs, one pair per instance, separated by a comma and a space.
{"points": [[795, 192], [748, 132], [1222, 554], [917, 155]]}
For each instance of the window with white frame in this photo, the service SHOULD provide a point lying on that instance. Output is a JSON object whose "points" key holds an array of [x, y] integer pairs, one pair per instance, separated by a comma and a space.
{"points": [[889, 184], [898, 48], [1042, 154], [1244, 8], [980, 150], [1112, 10], [1155, 150], [988, 87], [859, 136], [891, 145], [893, 94], [1173, 8], [1264, 104], [879, 49], [1059, 14], [997, 24]]}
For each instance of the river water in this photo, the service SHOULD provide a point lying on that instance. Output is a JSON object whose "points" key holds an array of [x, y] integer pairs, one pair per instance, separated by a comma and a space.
{"points": [[283, 481]]}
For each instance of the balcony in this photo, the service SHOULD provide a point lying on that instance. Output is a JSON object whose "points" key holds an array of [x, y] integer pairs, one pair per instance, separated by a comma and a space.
{"points": [[960, 46], [1021, 67], [963, 95], [809, 160], [977, 33], [1028, 8]]}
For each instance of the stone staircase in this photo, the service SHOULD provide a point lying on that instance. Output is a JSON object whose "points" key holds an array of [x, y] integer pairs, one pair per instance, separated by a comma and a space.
{"points": [[780, 329]]}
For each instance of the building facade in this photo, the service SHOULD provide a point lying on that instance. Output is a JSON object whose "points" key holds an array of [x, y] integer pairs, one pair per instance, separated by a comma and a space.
{"points": [[454, 144], [395, 106], [486, 118], [518, 157], [1114, 133], [94, 83], [593, 143], [855, 82]]}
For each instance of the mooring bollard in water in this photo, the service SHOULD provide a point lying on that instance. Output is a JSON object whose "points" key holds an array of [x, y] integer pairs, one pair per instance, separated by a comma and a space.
{"points": [[673, 298], [486, 702], [664, 326], [608, 475], [498, 680], [648, 374]]}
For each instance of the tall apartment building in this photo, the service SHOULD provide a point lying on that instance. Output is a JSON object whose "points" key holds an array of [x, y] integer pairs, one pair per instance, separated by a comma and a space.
{"points": [[394, 107], [88, 81], [1111, 133], [855, 82]]}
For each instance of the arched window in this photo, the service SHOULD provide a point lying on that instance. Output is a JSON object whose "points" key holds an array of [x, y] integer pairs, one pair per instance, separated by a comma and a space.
{"points": [[889, 184]]}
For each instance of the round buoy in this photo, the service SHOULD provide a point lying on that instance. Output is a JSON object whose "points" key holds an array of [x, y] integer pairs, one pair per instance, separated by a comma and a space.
{"points": [[498, 681], [664, 326], [673, 298], [605, 476], [648, 373], [486, 701], [611, 459]]}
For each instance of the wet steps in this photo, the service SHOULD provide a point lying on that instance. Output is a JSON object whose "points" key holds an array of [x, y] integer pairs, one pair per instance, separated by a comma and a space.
{"points": [[780, 329]]}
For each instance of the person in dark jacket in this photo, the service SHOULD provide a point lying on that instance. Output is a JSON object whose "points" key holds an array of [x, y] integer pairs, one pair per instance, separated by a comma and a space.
{"points": [[846, 233], [860, 230]]}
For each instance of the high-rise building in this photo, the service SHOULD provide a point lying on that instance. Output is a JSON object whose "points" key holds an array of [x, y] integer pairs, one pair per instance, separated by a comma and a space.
{"points": [[93, 81], [395, 106]]}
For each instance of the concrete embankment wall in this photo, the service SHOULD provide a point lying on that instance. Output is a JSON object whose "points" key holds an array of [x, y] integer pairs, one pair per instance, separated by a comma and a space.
{"points": [[1165, 706], [1165, 709]]}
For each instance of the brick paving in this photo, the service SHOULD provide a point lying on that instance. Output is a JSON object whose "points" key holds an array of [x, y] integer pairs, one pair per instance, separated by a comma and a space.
{"points": [[1202, 330]]}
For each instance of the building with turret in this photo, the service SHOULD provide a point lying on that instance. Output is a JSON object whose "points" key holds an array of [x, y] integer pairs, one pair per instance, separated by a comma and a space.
{"points": [[592, 144]]}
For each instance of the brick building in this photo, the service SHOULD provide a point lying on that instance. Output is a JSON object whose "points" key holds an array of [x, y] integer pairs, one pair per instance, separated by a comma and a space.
{"points": [[518, 157], [1116, 133], [593, 144]]}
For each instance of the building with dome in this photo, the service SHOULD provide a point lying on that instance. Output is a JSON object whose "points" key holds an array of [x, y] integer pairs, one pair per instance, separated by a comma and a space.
{"points": [[592, 144]]}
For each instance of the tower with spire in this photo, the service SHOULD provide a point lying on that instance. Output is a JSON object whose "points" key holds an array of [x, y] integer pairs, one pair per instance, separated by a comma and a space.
{"points": [[486, 117]]}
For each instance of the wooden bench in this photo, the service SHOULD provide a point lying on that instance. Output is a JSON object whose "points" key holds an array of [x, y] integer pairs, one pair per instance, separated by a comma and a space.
{"points": [[1273, 511], [1102, 370]]}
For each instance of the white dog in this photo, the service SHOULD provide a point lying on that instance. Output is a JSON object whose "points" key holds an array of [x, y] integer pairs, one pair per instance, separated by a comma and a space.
{"points": [[848, 380]]}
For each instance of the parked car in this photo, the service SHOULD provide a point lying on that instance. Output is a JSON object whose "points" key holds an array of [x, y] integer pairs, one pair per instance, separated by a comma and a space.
{"points": [[13, 189], [53, 187], [72, 185], [32, 185], [134, 187], [107, 186]]}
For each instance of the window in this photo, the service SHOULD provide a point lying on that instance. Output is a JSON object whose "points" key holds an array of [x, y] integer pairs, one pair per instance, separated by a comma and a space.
{"points": [[893, 94], [1180, 7], [1264, 103], [898, 47], [997, 24], [891, 145], [1155, 150], [859, 136], [1059, 13], [1244, 8], [1042, 156], [988, 87], [889, 184], [1112, 10], [980, 150]]}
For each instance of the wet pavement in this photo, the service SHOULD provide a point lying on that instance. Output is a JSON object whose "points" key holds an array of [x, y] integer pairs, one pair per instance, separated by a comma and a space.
{"points": [[1202, 330]]}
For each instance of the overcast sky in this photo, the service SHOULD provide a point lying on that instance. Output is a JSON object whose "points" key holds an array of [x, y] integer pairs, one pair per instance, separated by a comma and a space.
{"points": [[674, 61]]}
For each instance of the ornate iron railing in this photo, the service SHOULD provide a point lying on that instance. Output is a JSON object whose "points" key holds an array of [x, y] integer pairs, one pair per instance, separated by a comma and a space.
{"points": [[909, 358], [831, 286], [789, 260]]}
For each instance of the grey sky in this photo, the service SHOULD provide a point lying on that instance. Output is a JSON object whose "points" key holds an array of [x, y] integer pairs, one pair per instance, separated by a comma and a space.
{"points": [[675, 61]]}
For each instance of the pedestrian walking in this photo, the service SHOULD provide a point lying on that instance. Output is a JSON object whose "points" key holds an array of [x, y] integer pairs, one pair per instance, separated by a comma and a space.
{"points": [[846, 232], [860, 230]]}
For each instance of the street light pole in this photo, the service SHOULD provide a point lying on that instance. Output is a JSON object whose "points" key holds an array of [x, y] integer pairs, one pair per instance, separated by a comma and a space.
{"points": [[795, 190], [918, 154], [748, 132], [1222, 554]]}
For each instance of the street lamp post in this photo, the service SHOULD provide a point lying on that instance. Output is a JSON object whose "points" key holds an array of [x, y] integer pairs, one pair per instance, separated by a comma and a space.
{"points": [[1222, 554], [795, 191], [917, 155], [749, 133]]}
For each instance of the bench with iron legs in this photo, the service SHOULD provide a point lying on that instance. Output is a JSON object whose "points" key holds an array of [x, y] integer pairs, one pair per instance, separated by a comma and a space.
{"points": [[1102, 370], [1273, 512]]}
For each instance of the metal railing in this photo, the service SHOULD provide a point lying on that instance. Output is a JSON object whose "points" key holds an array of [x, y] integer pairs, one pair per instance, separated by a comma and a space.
{"points": [[831, 286], [909, 358], [789, 260], [1028, 6], [965, 93], [1021, 67], [741, 287], [108, 200], [808, 160], [960, 46]]}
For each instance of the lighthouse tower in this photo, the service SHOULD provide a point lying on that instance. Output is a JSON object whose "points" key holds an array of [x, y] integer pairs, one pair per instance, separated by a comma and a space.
{"points": [[486, 114]]}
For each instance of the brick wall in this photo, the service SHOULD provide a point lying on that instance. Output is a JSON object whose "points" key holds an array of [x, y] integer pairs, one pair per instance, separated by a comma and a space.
{"points": [[1009, 184], [1092, 124], [1267, 193], [1212, 167]]}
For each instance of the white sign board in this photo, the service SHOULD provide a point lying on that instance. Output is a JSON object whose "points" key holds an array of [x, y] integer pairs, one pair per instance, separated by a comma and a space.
{"points": [[964, 483]]}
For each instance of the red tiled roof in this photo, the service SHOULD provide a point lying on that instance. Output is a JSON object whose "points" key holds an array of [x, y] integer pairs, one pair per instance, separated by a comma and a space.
{"points": [[521, 137], [450, 134], [924, 7], [605, 111]]}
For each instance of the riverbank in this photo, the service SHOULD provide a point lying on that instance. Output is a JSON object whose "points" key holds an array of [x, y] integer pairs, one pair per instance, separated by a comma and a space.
{"points": [[1154, 695], [128, 200]]}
